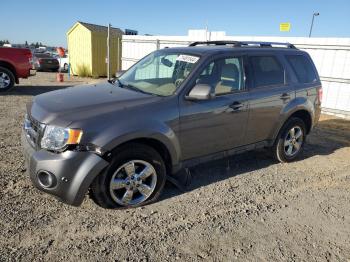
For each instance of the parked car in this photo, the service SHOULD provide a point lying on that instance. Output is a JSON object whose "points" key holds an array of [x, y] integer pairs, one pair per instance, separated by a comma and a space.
{"points": [[45, 62], [52, 53], [64, 61], [175, 108], [15, 63]]}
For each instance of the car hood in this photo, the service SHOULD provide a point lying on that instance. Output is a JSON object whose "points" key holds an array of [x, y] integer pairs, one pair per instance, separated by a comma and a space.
{"points": [[65, 106]]}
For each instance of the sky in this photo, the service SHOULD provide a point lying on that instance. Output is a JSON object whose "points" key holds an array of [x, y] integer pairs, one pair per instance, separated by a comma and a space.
{"points": [[48, 21]]}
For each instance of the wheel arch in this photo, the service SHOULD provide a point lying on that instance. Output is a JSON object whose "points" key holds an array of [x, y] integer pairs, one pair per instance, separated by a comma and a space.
{"points": [[304, 114], [156, 144]]}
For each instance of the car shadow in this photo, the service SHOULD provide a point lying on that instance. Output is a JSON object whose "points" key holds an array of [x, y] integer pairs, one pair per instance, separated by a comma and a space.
{"points": [[32, 90], [326, 138]]}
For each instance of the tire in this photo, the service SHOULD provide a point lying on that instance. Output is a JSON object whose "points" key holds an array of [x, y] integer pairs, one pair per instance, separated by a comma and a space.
{"points": [[118, 195], [7, 79], [65, 67], [287, 146]]}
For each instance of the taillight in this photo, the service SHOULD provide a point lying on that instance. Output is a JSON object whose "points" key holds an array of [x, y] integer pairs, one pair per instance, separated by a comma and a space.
{"points": [[320, 94], [40, 60], [29, 56]]}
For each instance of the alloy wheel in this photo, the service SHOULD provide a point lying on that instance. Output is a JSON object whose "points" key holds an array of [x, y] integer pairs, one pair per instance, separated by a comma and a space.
{"points": [[133, 183], [4, 80], [293, 141]]}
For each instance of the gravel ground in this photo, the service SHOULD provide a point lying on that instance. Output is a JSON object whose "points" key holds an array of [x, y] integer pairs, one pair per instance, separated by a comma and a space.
{"points": [[247, 208]]}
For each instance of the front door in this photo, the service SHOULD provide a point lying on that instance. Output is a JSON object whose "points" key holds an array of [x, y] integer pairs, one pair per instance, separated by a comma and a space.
{"points": [[217, 124]]}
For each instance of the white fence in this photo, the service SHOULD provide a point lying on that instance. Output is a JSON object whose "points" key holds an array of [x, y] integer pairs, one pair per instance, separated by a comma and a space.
{"points": [[331, 56]]}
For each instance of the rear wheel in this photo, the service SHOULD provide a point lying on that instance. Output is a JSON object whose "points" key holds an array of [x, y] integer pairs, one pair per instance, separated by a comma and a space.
{"points": [[135, 177], [7, 79], [65, 67], [290, 141]]}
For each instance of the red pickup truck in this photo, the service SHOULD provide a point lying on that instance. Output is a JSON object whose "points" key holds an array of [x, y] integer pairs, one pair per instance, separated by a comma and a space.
{"points": [[15, 63]]}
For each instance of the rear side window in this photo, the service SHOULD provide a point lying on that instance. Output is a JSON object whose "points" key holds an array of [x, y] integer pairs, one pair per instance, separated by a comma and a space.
{"points": [[303, 69], [267, 71]]}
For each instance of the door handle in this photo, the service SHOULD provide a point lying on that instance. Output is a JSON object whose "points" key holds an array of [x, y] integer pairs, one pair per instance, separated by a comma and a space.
{"points": [[236, 106], [285, 96]]}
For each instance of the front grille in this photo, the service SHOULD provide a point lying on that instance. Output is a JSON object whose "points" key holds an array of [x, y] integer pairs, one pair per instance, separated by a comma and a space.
{"points": [[34, 131]]}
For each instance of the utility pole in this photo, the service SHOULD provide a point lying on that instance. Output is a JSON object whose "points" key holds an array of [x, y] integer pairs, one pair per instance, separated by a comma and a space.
{"points": [[108, 53], [312, 22]]}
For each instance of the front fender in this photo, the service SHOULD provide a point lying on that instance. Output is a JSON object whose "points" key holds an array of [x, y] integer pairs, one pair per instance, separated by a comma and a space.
{"points": [[117, 135]]}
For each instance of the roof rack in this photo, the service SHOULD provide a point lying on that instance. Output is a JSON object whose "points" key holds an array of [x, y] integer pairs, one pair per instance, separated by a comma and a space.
{"points": [[244, 43], [234, 43]]}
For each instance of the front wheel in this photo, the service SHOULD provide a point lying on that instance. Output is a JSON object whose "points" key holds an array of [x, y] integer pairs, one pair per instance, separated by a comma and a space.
{"points": [[135, 177], [290, 141]]}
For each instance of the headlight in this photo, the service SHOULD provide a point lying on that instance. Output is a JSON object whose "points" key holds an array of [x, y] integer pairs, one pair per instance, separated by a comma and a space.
{"points": [[57, 138]]}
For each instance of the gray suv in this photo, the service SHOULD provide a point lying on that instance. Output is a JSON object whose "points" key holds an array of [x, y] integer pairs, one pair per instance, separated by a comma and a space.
{"points": [[175, 108]]}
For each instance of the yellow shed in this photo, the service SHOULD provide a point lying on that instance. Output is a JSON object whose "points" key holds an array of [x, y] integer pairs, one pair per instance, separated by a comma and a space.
{"points": [[87, 47]]}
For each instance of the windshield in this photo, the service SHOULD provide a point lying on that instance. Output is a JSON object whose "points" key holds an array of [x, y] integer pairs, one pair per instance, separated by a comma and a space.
{"points": [[159, 73]]}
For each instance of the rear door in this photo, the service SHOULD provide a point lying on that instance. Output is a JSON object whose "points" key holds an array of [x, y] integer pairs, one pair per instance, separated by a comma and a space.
{"points": [[269, 93], [217, 124]]}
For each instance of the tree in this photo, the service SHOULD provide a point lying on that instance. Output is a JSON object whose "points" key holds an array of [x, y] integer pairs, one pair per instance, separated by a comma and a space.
{"points": [[26, 44], [36, 45], [2, 42]]}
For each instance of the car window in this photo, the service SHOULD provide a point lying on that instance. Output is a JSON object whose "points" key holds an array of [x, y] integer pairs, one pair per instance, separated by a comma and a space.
{"points": [[42, 55], [159, 73], [224, 75], [267, 71], [158, 69], [208, 70], [303, 69]]}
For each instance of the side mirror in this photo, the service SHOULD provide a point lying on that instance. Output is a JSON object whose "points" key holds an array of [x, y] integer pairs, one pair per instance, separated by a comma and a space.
{"points": [[119, 73], [201, 92]]}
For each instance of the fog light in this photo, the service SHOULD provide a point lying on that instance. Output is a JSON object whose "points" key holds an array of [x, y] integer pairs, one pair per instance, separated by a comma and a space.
{"points": [[46, 179]]}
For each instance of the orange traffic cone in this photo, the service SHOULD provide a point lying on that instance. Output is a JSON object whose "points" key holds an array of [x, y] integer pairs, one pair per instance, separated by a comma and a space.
{"points": [[60, 77]]}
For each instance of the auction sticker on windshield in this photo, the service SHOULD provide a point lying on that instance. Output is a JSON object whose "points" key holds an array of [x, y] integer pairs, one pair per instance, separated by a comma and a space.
{"points": [[187, 58]]}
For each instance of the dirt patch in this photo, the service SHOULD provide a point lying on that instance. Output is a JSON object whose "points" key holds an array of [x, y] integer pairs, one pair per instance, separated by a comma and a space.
{"points": [[247, 208]]}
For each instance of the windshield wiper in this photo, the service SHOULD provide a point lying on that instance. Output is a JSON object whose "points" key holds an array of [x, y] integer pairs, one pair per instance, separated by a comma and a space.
{"points": [[134, 88], [130, 87]]}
